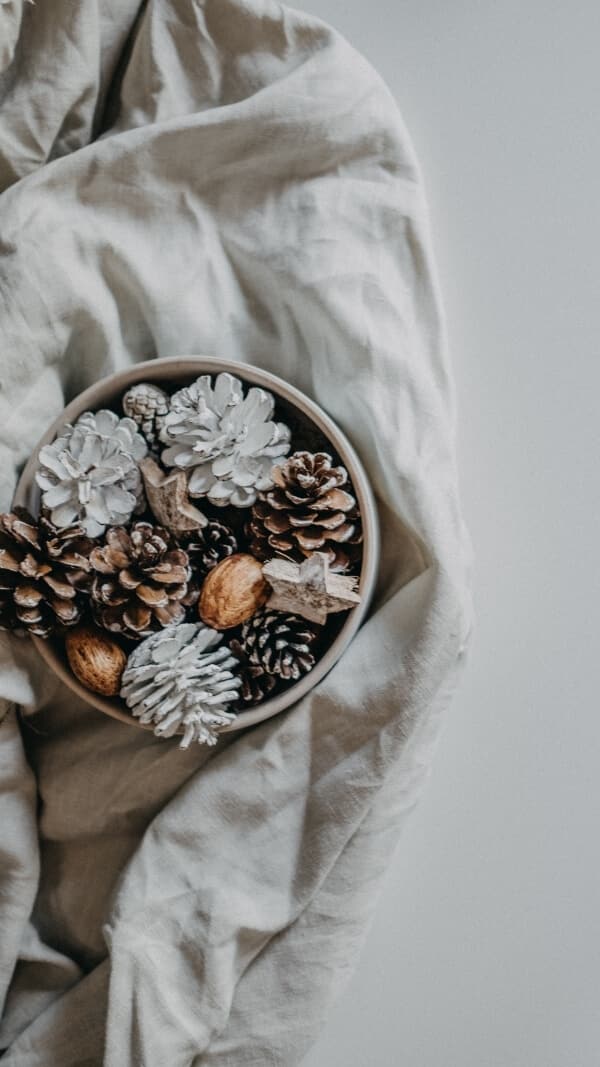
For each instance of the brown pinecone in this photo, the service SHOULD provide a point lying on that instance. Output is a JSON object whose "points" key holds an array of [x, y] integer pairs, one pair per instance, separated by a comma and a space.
{"points": [[256, 683], [279, 643], [210, 545], [141, 580], [307, 511], [44, 572]]}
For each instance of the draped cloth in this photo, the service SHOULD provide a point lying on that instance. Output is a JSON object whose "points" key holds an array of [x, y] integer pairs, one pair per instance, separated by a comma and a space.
{"points": [[231, 178]]}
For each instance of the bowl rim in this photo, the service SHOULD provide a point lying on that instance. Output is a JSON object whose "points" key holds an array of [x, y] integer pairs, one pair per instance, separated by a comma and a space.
{"points": [[103, 392]]}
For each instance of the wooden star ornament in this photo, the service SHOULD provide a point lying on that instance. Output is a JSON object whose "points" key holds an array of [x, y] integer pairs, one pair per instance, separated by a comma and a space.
{"points": [[309, 588], [168, 499]]}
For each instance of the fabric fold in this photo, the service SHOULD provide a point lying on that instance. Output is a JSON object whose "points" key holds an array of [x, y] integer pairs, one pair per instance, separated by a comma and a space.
{"points": [[19, 853]]}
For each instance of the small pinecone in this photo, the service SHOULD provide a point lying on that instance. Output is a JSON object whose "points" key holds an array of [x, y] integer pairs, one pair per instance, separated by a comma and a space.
{"points": [[147, 405], [141, 580], [279, 643], [44, 572], [307, 511], [210, 545], [256, 683]]}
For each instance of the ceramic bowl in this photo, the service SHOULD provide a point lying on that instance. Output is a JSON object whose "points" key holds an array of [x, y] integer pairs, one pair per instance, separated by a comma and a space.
{"points": [[174, 373]]}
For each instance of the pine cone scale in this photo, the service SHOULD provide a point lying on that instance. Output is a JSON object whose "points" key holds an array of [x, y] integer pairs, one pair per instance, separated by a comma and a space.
{"points": [[32, 568], [112, 618], [276, 523], [24, 531], [63, 590], [153, 598], [335, 499], [116, 559], [128, 580], [281, 544], [137, 619], [27, 596], [174, 612], [302, 520], [342, 533], [8, 562], [100, 562], [66, 612], [109, 592], [168, 574], [311, 539], [34, 622]]}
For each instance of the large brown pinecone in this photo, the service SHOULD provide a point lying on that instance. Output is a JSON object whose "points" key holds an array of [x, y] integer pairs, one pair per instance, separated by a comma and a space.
{"points": [[307, 511], [141, 580], [44, 572], [280, 643], [210, 545]]}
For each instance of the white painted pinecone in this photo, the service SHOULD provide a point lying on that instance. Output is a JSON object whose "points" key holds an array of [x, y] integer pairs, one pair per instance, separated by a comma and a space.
{"points": [[147, 405], [90, 473], [227, 442], [179, 677]]}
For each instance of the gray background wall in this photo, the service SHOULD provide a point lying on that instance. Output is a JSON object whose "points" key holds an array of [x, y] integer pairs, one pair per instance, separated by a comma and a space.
{"points": [[486, 947]]}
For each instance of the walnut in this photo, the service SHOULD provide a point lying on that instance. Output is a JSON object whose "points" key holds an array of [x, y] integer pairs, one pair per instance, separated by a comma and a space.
{"points": [[96, 660], [232, 592]]}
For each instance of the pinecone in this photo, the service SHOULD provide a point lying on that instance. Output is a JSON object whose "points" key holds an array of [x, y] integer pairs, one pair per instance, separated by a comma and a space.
{"points": [[227, 442], [141, 580], [147, 405], [256, 683], [90, 473], [307, 511], [183, 677], [279, 643], [44, 572], [210, 545]]}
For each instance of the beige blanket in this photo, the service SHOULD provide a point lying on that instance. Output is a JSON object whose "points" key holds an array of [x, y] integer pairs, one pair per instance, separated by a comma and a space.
{"points": [[223, 177]]}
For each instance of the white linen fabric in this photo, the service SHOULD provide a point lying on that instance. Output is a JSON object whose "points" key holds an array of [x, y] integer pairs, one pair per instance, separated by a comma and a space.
{"points": [[224, 177]]}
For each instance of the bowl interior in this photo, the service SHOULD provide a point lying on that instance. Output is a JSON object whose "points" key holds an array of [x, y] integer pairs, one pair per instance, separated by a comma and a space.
{"points": [[311, 429]]}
